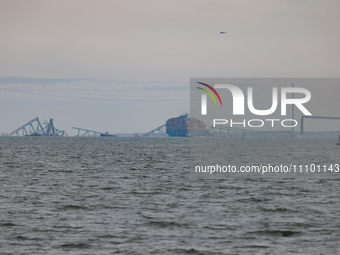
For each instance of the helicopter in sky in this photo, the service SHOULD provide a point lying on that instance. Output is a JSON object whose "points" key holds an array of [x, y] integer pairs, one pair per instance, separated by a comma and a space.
{"points": [[223, 33]]}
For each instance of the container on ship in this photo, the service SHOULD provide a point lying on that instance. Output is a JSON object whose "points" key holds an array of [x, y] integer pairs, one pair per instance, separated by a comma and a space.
{"points": [[184, 126]]}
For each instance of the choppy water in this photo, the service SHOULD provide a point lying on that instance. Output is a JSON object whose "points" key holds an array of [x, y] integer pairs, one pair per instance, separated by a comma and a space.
{"points": [[136, 196]]}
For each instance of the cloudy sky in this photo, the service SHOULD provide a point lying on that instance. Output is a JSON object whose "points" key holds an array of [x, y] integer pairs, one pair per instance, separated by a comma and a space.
{"points": [[125, 66]]}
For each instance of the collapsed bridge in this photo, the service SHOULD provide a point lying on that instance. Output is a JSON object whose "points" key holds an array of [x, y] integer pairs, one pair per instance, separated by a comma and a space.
{"points": [[35, 128]]}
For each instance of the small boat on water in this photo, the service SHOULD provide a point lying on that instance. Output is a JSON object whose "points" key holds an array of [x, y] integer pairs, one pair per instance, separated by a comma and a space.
{"points": [[107, 135], [34, 134]]}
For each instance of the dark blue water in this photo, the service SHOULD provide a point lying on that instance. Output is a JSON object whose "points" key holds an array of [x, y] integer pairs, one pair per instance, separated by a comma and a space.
{"points": [[137, 196]]}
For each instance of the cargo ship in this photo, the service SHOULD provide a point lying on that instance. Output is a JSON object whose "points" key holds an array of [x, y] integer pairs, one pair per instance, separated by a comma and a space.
{"points": [[184, 126]]}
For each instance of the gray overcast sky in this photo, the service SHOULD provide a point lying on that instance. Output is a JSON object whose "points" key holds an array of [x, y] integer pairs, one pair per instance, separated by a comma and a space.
{"points": [[125, 66]]}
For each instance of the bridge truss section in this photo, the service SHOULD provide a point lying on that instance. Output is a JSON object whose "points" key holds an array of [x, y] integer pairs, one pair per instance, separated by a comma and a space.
{"points": [[50, 129], [87, 132], [34, 127], [157, 132]]}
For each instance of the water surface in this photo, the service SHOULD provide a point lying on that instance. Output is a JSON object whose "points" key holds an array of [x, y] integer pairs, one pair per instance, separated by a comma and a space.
{"points": [[137, 196]]}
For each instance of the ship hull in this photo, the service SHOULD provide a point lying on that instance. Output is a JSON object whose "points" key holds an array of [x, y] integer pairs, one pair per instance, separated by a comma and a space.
{"points": [[185, 133], [184, 126]]}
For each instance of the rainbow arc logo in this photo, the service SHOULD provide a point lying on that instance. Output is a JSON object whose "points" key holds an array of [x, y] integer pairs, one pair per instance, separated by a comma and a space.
{"points": [[204, 97], [209, 93]]}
